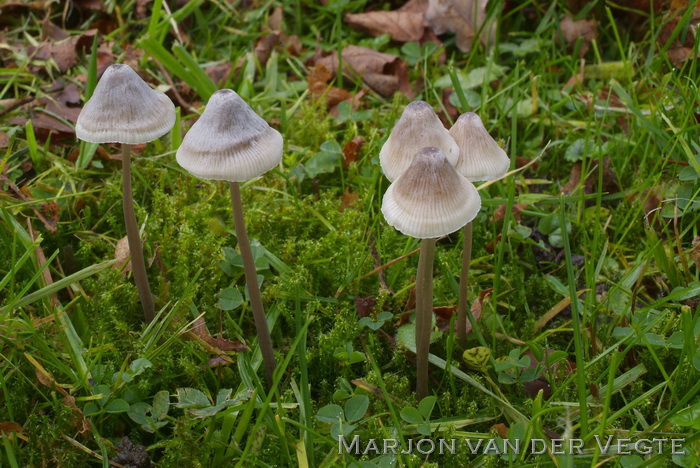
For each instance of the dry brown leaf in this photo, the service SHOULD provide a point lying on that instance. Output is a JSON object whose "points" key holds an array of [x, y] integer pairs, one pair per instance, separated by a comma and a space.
{"points": [[219, 73], [275, 20], [264, 46], [501, 429], [402, 26], [219, 344], [464, 18], [443, 317], [292, 44], [53, 32], [364, 305], [122, 255], [347, 199], [318, 86], [142, 8], [351, 150], [4, 140], [610, 182], [9, 426], [516, 210], [384, 73], [573, 30]]}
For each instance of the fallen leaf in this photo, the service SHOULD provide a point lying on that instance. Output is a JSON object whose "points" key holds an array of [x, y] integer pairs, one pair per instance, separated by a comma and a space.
{"points": [[351, 151], [219, 73], [264, 46], [610, 181], [49, 30], [275, 20], [141, 8], [573, 30], [364, 305], [122, 255], [384, 73], [347, 199], [318, 86], [402, 26], [4, 140], [219, 344], [9, 426], [462, 17], [516, 210], [292, 44], [443, 317], [451, 113], [501, 429]]}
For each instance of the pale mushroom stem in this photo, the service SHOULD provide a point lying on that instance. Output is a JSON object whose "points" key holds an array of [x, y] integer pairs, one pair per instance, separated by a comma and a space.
{"points": [[424, 314], [138, 266], [251, 279], [463, 305]]}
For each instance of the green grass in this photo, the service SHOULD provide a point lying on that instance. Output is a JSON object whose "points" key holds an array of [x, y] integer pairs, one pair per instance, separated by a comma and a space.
{"points": [[72, 345]]}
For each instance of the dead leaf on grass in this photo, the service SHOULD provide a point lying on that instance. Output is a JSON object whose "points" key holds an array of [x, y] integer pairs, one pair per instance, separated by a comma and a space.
{"points": [[465, 18], [4, 140], [9, 426], [402, 26], [516, 210], [384, 73], [219, 344], [351, 151], [347, 199], [318, 79], [264, 47], [573, 30], [122, 255]]}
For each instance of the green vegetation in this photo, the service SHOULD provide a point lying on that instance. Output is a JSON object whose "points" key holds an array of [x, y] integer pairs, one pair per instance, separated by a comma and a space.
{"points": [[607, 215]]}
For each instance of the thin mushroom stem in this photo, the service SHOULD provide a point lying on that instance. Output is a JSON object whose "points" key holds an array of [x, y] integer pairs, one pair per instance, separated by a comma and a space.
{"points": [[138, 266], [424, 314], [463, 304], [251, 279]]}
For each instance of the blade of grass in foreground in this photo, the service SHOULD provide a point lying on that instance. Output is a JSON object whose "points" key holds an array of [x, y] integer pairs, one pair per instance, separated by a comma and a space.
{"points": [[578, 345]]}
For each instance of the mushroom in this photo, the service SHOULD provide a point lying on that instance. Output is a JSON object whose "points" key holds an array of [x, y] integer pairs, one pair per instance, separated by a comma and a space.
{"points": [[480, 158], [231, 142], [124, 109], [429, 200], [417, 128]]}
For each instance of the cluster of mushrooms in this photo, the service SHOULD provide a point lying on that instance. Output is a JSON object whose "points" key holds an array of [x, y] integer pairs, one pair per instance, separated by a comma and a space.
{"points": [[431, 170], [431, 195]]}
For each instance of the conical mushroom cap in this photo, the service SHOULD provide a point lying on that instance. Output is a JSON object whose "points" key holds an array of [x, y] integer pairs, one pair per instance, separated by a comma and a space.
{"points": [[230, 141], [480, 157], [417, 128], [124, 109], [430, 199]]}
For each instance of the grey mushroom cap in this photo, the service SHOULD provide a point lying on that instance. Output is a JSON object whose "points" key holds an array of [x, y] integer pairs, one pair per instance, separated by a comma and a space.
{"points": [[430, 199], [124, 109], [480, 157], [417, 128], [230, 141]]}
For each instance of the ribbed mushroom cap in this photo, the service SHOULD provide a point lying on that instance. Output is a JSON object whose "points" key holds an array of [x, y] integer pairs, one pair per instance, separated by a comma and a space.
{"points": [[480, 157], [417, 128], [230, 141], [430, 199], [124, 109]]}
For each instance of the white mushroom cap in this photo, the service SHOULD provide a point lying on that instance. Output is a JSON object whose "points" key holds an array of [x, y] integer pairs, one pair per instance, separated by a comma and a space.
{"points": [[230, 141], [480, 157], [124, 109], [430, 199], [417, 128]]}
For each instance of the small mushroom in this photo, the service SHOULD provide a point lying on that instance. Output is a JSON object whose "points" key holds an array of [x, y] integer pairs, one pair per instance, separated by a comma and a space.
{"points": [[231, 142], [480, 158], [417, 128], [124, 109], [429, 200]]}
